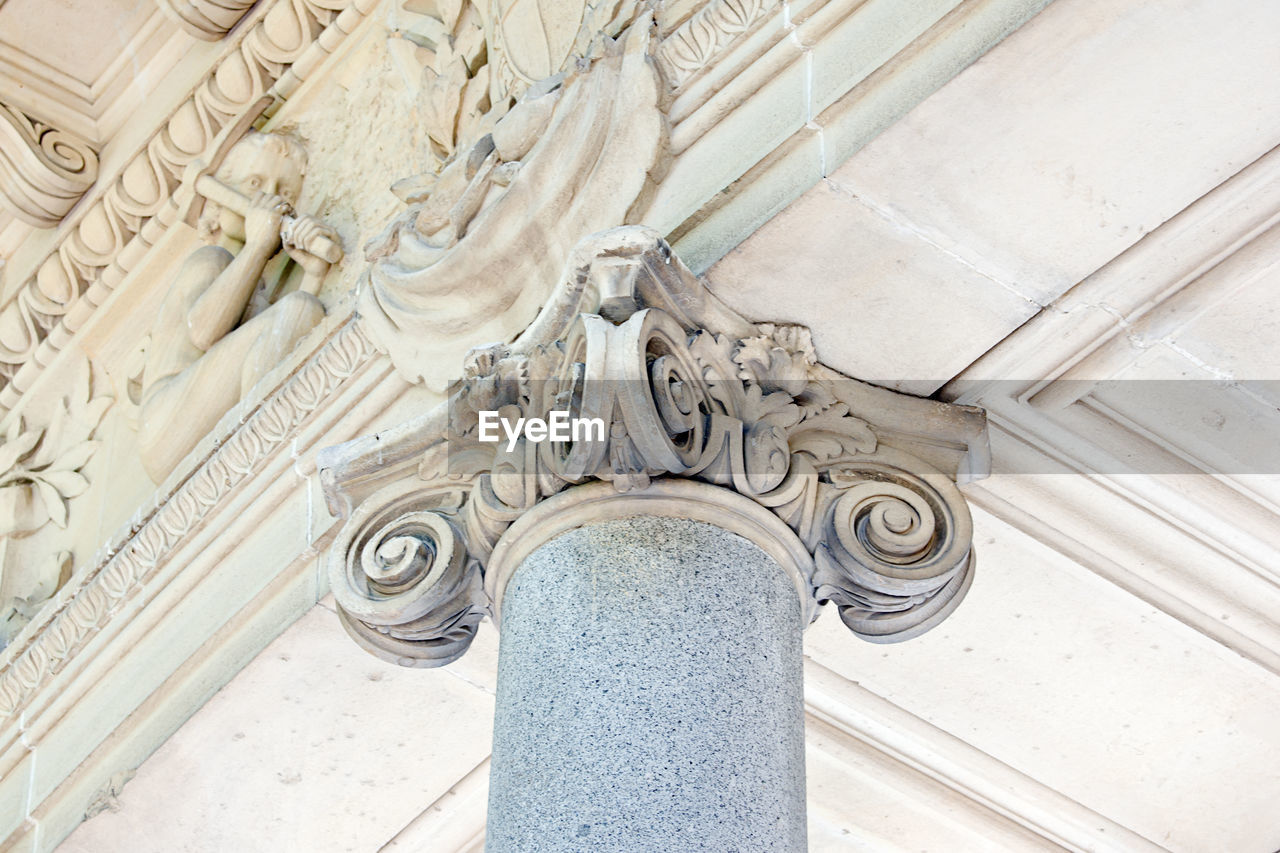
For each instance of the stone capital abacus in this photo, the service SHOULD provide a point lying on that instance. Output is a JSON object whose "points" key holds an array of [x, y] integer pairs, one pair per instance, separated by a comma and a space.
{"points": [[851, 488]]}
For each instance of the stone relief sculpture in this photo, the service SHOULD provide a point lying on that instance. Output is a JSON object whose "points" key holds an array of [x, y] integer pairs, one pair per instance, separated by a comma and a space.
{"points": [[480, 56], [40, 473], [39, 465], [229, 318], [864, 478], [571, 158], [131, 211]]}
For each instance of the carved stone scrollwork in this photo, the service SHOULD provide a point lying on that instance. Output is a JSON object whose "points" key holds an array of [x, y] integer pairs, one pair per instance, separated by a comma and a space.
{"points": [[895, 552], [43, 171], [411, 594], [685, 389]]}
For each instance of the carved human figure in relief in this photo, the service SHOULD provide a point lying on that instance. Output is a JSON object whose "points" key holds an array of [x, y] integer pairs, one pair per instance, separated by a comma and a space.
{"points": [[237, 307]]}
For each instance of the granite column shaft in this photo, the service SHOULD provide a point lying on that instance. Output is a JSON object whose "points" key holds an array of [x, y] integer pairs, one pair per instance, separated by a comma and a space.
{"points": [[649, 695]]}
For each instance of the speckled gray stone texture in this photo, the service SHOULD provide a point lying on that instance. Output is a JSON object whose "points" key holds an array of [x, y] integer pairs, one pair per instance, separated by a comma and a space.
{"points": [[649, 696]]}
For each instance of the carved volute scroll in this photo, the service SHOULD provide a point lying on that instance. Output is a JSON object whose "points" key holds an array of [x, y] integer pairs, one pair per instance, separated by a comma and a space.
{"points": [[863, 478], [43, 171]]}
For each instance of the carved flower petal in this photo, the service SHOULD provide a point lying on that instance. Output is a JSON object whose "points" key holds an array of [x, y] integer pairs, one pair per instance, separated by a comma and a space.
{"points": [[54, 437]]}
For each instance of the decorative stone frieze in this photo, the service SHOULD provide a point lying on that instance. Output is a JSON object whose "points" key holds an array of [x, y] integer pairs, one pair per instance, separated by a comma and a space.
{"points": [[229, 319], [123, 219], [43, 171], [104, 587], [695, 42], [209, 20], [863, 478], [40, 475]]}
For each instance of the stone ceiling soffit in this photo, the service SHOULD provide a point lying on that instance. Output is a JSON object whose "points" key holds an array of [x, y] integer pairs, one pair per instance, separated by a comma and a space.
{"points": [[46, 91], [1045, 387], [845, 72], [52, 95], [685, 389]]}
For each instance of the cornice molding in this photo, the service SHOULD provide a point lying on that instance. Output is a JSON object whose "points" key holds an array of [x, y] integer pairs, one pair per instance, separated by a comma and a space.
{"points": [[686, 390], [1220, 578], [860, 716], [209, 20], [691, 46], [43, 171], [126, 214], [39, 86], [1190, 567]]}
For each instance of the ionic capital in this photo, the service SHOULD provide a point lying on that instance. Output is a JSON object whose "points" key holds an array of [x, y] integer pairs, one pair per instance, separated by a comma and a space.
{"points": [[697, 413]]}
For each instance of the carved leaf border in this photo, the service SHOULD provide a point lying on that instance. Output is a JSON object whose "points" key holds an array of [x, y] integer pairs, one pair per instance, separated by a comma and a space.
{"points": [[694, 43]]}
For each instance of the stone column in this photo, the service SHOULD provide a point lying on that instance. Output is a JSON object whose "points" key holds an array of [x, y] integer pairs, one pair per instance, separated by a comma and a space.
{"points": [[649, 675], [649, 695], [651, 580]]}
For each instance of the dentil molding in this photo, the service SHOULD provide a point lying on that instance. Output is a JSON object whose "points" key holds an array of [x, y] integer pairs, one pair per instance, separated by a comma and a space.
{"points": [[863, 479]]}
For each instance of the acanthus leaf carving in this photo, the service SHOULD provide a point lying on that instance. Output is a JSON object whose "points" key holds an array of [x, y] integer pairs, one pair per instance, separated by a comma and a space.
{"points": [[685, 389], [693, 45], [40, 467]]}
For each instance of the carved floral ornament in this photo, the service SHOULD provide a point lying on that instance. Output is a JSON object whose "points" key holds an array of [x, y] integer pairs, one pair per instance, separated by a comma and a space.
{"points": [[40, 466], [861, 479]]}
